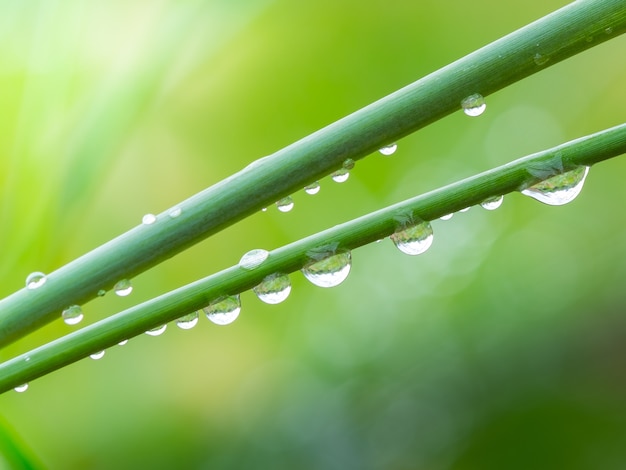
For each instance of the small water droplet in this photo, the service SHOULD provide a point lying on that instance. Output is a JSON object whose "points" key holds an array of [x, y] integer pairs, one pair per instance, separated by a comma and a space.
{"points": [[447, 216], [224, 310], [187, 322], [21, 388], [157, 331], [540, 59], [340, 176], [35, 280], [330, 271], [253, 259], [313, 188], [97, 355], [559, 189], [123, 288], [124, 342], [466, 209], [274, 288], [348, 164], [492, 203], [102, 293], [27, 358], [264, 209], [72, 315], [175, 212], [473, 105], [388, 149], [148, 219], [414, 239], [285, 204], [608, 30]]}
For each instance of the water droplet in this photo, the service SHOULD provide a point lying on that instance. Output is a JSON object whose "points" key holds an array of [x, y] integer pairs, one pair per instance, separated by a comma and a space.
{"points": [[608, 30], [466, 209], [21, 388], [348, 164], [224, 310], [72, 315], [388, 149], [98, 355], [540, 59], [313, 188], [473, 105], [330, 271], [340, 176], [123, 288], [447, 216], [492, 203], [101, 293], [273, 289], [560, 189], [159, 330], [148, 219], [124, 342], [175, 212], [187, 322], [253, 259], [414, 239], [35, 280], [264, 209], [285, 204]]}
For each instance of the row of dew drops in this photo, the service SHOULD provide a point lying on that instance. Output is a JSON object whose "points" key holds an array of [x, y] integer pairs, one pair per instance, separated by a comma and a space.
{"points": [[327, 268]]}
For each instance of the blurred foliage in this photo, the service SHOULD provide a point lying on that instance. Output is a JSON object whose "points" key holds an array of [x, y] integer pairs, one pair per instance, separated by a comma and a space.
{"points": [[501, 347]]}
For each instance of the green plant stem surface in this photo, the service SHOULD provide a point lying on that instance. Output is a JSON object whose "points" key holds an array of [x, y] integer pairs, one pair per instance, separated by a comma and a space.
{"points": [[566, 32], [514, 176]]}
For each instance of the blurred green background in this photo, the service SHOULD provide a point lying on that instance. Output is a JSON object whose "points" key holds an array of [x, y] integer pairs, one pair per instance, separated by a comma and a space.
{"points": [[500, 348]]}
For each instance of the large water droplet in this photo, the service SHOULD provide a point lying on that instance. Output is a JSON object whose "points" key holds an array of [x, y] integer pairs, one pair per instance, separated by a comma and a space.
{"points": [[313, 188], [157, 331], [72, 315], [330, 271], [21, 388], [224, 310], [148, 219], [559, 189], [97, 355], [253, 259], [340, 176], [492, 203], [447, 216], [188, 321], [123, 288], [35, 280], [415, 239], [388, 149], [285, 204], [273, 289], [473, 105]]}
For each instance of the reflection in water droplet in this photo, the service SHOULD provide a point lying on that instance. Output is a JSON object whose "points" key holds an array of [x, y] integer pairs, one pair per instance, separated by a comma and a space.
{"points": [[102, 293], [540, 59], [447, 216], [253, 259], [157, 331], [313, 188], [72, 315], [340, 176], [35, 280], [415, 239], [21, 388], [98, 355], [474, 105], [175, 212], [285, 204], [559, 189], [224, 310], [123, 288], [273, 289], [148, 219], [389, 149], [330, 271], [492, 203], [188, 321], [123, 342]]}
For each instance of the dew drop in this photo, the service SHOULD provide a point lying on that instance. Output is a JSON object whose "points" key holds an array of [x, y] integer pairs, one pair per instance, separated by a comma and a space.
{"points": [[415, 239], [540, 59], [224, 310], [253, 259], [123, 288], [273, 289], [330, 271], [348, 164], [285, 204], [313, 188], [608, 30], [123, 342], [35, 280], [98, 355], [159, 330], [175, 212], [559, 189], [473, 105], [102, 293], [447, 216], [264, 209], [388, 149], [466, 209], [340, 176], [21, 388], [187, 322], [148, 219], [492, 203], [72, 315]]}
